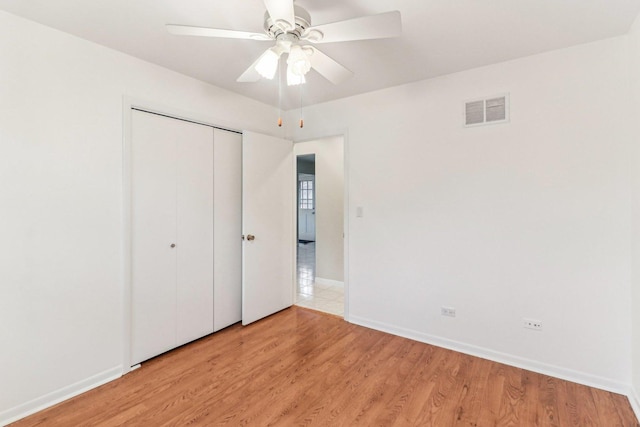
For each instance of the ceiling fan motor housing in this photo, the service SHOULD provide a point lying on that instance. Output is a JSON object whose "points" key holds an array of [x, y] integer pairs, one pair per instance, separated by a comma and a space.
{"points": [[281, 30]]}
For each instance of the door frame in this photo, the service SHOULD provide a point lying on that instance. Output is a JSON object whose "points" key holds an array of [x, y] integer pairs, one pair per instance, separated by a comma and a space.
{"points": [[344, 133], [129, 104]]}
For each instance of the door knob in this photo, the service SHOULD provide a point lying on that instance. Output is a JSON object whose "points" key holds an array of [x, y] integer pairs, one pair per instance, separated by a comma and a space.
{"points": [[251, 237], [173, 245]]}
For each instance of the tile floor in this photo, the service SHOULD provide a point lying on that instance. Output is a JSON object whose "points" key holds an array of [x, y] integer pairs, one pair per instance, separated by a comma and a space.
{"points": [[321, 297]]}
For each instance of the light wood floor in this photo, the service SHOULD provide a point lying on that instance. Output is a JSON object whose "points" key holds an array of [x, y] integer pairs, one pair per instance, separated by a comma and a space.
{"points": [[303, 368]]}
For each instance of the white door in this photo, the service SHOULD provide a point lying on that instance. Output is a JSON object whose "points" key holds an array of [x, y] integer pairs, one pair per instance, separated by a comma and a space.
{"points": [[268, 226], [227, 222], [306, 207], [153, 260], [194, 231], [172, 233]]}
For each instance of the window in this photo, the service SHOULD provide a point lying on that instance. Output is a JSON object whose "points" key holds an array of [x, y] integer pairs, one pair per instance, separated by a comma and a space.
{"points": [[306, 194]]}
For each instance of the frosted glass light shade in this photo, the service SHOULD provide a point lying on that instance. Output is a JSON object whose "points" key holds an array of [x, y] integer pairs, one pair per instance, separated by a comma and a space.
{"points": [[294, 79], [298, 61], [268, 64]]}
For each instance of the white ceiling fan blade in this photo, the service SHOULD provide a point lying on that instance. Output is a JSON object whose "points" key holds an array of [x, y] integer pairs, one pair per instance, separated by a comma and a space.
{"points": [[281, 12], [328, 68], [185, 30], [251, 74], [384, 25]]}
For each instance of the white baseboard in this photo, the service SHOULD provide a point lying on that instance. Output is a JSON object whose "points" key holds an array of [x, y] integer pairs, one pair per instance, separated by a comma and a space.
{"points": [[321, 281], [496, 356], [50, 399], [634, 401]]}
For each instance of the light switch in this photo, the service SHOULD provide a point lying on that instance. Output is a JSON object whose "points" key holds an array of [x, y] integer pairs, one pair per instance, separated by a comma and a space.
{"points": [[359, 212]]}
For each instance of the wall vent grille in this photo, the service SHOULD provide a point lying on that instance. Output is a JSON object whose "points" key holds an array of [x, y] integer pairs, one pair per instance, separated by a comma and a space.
{"points": [[490, 110]]}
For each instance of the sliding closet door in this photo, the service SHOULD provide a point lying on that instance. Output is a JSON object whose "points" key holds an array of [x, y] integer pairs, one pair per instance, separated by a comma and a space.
{"points": [[153, 219], [172, 233], [194, 230], [228, 228]]}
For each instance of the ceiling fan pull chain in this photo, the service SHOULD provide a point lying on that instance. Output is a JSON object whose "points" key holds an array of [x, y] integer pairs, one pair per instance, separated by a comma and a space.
{"points": [[279, 94], [301, 117]]}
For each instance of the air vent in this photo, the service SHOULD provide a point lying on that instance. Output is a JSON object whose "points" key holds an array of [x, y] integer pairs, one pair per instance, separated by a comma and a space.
{"points": [[474, 113], [486, 111]]}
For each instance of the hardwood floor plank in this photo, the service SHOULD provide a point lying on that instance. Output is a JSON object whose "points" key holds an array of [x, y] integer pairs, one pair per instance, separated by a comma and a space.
{"points": [[531, 382], [304, 368], [490, 408], [442, 377], [451, 385], [403, 384], [358, 384], [606, 406], [319, 403], [301, 386], [420, 388], [257, 380], [382, 389], [549, 401], [471, 393], [510, 412]]}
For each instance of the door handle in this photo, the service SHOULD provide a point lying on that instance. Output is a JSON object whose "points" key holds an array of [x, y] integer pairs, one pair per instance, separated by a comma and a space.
{"points": [[251, 237]]}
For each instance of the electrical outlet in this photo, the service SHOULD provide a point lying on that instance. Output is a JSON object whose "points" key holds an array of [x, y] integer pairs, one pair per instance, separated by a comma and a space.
{"points": [[448, 311], [532, 324]]}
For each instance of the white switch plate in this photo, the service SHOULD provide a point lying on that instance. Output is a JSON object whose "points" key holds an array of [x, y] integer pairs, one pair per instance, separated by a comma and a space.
{"points": [[359, 212]]}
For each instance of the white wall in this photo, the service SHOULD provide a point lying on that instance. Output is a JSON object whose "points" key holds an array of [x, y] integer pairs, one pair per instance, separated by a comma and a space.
{"points": [[531, 218], [61, 127], [329, 175], [634, 72], [526, 219]]}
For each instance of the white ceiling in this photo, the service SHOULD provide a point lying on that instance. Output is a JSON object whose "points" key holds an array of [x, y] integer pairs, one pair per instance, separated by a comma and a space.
{"points": [[439, 36]]}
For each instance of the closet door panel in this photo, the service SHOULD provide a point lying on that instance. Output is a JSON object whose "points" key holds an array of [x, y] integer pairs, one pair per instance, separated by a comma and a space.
{"points": [[194, 207], [227, 229], [153, 216]]}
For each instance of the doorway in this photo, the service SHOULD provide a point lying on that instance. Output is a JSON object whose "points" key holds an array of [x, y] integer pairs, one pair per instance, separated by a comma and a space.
{"points": [[320, 224]]}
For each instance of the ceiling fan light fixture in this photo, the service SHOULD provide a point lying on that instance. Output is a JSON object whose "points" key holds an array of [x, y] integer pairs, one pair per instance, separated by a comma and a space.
{"points": [[294, 79], [298, 61], [268, 64]]}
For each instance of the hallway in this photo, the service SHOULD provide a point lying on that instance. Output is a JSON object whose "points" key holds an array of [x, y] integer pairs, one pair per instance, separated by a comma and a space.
{"points": [[328, 298]]}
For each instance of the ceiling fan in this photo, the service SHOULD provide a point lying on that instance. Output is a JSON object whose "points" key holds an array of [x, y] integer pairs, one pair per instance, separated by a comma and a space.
{"points": [[289, 25]]}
